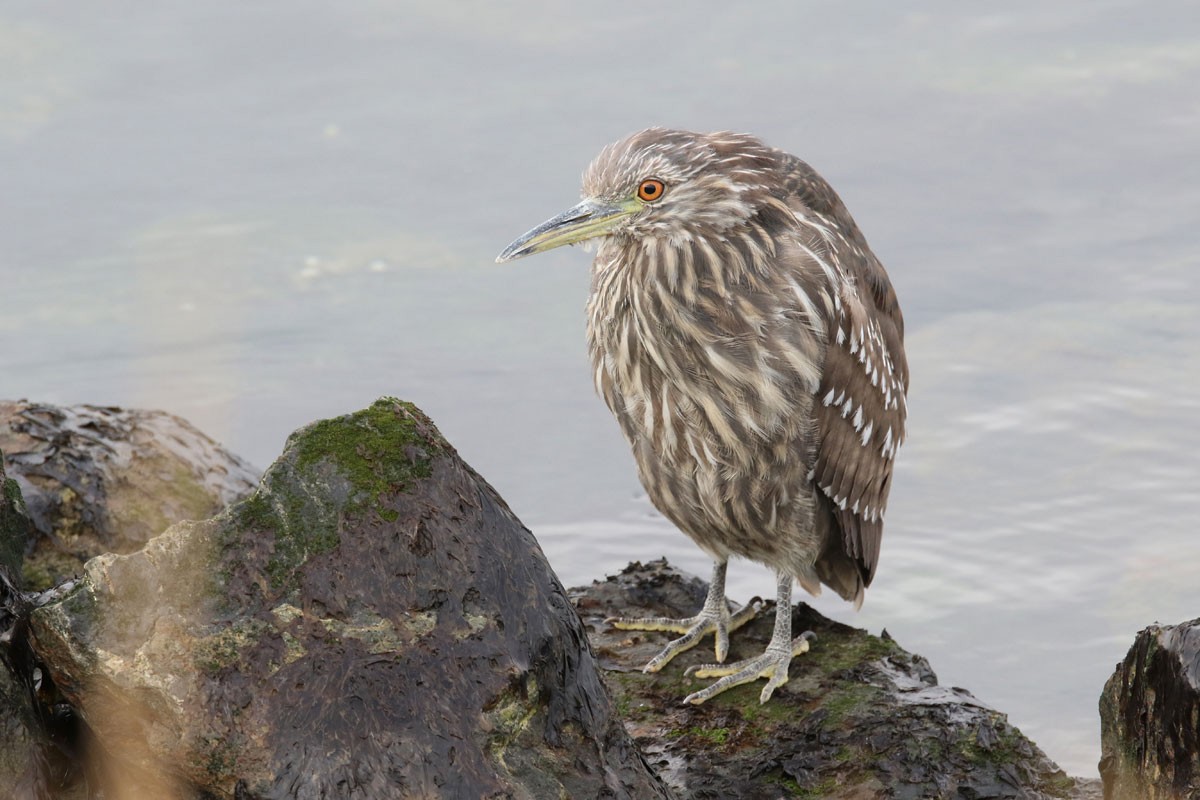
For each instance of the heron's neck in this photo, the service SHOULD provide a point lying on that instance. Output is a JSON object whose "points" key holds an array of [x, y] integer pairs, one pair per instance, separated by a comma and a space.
{"points": [[682, 269]]}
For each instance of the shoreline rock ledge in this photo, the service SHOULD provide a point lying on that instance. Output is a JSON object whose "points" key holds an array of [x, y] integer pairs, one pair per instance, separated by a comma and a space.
{"points": [[374, 622]]}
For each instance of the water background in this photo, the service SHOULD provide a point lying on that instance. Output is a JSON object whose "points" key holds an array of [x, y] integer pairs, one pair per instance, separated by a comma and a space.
{"points": [[258, 214]]}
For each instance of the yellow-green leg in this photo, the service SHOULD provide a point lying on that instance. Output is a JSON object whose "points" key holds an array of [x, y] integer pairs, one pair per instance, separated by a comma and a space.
{"points": [[772, 664]]}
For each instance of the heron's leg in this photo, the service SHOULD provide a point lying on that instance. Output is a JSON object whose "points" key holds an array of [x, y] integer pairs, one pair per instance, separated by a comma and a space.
{"points": [[714, 618], [772, 664]]}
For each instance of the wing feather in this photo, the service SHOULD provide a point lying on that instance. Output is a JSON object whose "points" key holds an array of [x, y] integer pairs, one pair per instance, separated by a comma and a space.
{"points": [[864, 365]]}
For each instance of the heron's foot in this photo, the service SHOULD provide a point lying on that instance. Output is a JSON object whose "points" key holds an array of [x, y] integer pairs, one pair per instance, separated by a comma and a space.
{"points": [[717, 621], [772, 664]]}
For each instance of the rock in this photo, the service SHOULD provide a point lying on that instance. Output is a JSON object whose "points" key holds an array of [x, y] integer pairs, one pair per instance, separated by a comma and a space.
{"points": [[18, 738], [1150, 717], [372, 622], [98, 479], [18, 727], [15, 527], [33, 723], [38, 731], [859, 718]]}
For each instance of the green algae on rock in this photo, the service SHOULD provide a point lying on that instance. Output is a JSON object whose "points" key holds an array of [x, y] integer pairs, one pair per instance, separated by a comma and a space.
{"points": [[357, 459]]}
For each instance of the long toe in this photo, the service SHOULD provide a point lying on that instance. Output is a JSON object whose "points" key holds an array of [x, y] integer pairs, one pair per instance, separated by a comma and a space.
{"points": [[668, 624], [683, 643], [694, 629], [773, 665]]}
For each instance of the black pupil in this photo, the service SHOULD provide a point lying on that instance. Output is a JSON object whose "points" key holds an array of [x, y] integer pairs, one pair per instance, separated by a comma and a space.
{"points": [[651, 189]]}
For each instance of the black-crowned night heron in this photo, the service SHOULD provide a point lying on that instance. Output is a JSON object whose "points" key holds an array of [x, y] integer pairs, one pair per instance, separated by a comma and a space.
{"points": [[750, 345]]}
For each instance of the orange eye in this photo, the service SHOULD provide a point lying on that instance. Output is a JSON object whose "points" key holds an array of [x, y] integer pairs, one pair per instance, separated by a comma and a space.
{"points": [[650, 190]]}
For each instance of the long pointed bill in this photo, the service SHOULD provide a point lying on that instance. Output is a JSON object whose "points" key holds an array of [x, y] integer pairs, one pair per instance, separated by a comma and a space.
{"points": [[589, 219]]}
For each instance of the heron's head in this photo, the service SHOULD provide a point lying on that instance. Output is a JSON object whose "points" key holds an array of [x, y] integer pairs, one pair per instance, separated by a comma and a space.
{"points": [[660, 183]]}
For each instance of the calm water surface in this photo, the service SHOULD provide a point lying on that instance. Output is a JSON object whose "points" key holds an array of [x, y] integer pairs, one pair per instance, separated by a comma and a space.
{"points": [[256, 215]]}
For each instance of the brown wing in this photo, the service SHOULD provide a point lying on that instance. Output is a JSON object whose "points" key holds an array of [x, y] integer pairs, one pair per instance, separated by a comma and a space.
{"points": [[860, 412], [860, 405]]}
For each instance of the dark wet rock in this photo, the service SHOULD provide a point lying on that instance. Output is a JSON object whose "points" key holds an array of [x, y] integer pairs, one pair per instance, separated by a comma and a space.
{"points": [[372, 622], [98, 479], [18, 740], [1150, 717], [859, 718], [20, 743], [18, 728], [35, 727], [39, 731], [15, 527]]}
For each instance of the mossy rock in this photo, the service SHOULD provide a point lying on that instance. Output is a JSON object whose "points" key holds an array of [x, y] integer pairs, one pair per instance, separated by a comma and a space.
{"points": [[372, 615], [859, 718]]}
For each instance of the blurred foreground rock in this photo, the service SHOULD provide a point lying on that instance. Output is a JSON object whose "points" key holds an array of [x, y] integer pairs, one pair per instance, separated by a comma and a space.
{"points": [[98, 480], [372, 622], [1150, 717]]}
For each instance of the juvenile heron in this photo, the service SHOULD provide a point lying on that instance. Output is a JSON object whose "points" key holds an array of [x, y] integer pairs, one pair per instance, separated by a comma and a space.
{"points": [[750, 345]]}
